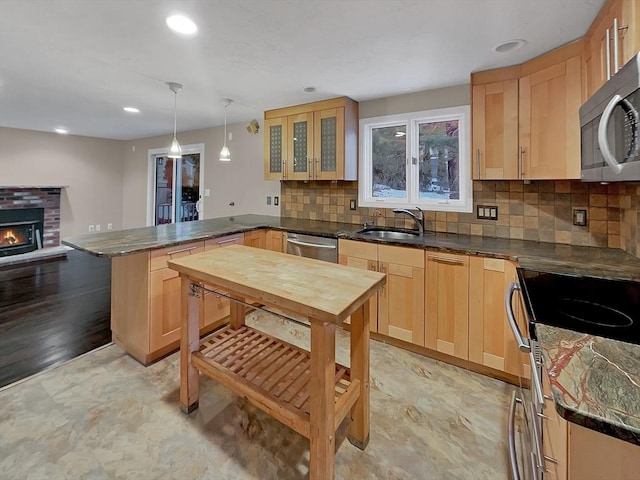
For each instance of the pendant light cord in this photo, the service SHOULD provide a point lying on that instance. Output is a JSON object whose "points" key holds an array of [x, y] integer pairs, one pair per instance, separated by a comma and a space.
{"points": [[225, 124], [175, 113]]}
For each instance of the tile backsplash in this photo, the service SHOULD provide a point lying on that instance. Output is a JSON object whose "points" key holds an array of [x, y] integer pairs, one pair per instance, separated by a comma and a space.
{"points": [[539, 211]]}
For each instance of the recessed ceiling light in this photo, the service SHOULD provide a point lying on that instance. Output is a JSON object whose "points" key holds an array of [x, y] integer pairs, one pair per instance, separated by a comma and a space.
{"points": [[181, 24], [131, 109], [309, 89], [61, 131], [509, 46]]}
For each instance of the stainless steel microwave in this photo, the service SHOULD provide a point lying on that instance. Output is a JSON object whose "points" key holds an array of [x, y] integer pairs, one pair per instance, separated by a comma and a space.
{"points": [[609, 123]]}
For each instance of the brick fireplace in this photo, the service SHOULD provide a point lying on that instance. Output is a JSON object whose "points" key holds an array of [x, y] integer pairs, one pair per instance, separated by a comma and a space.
{"points": [[32, 197]]}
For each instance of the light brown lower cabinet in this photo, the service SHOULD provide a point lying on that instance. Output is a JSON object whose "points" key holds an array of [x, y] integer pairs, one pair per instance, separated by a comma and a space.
{"points": [[595, 456], [256, 238], [145, 300], [276, 240], [364, 256], [491, 342], [401, 300], [554, 437], [447, 303]]}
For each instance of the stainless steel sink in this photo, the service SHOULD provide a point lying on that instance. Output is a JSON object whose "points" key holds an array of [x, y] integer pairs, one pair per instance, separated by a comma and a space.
{"points": [[388, 233]]}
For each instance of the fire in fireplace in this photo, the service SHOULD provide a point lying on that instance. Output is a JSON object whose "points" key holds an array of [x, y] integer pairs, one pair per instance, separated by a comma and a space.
{"points": [[20, 230]]}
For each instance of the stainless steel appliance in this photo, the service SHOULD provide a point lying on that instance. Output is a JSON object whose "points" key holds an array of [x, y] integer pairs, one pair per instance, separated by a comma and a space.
{"points": [[592, 305], [609, 128], [312, 246], [526, 455]]}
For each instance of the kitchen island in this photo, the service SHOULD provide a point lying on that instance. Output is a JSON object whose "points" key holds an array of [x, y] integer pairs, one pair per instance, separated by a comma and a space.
{"points": [[307, 392]]}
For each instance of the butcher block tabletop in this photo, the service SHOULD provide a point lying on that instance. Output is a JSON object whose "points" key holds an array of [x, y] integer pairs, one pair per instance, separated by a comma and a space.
{"points": [[319, 290]]}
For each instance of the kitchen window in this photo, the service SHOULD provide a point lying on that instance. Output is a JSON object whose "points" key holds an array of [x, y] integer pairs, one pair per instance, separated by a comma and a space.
{"points": [[418, 159]]}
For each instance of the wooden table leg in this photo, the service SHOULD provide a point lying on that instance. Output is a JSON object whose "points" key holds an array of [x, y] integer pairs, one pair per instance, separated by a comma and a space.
{"points": [[322, 401], [189, 342], [360, 414], [237, 312]]}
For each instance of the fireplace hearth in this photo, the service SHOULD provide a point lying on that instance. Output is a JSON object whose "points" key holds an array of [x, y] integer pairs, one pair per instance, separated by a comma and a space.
{"points": [[20, 230]]}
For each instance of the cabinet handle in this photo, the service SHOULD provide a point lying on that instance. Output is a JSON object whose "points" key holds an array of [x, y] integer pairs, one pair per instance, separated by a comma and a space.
{"points": [[315, 168], [309, 167], [607, 53], [220, 242], [535, 379], [550, 459], [453, 261], [616, 65], [181, 250], [520, 162], [284, 168], [478, 162], [537, 438]]}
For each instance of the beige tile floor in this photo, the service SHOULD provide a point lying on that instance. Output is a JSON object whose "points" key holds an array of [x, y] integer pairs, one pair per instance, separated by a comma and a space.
{"points": [[104, 416]]}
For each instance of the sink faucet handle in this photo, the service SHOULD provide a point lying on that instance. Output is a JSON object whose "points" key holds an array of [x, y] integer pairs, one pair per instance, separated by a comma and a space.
{"points": [[370, 223]]}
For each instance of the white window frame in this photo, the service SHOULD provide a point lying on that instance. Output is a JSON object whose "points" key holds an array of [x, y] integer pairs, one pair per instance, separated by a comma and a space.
{"points": [[411, 120]]}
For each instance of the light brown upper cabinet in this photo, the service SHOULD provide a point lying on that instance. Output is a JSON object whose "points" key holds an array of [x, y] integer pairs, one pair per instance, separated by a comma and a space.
{"points": [[619, 22], [495, 130], [314, 141], [525, 118]]}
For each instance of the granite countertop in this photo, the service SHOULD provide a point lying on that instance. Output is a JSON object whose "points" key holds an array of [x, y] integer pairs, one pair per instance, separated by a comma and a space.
{"points": [[601, 262], [595, 381]]}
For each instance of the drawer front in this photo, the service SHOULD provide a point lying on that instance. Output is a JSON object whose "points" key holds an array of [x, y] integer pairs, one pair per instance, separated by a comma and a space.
{"points": [[161, 256], [236, 239], [351, 248]]}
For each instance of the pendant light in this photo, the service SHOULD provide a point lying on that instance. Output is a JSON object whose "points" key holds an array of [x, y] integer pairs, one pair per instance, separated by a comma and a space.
{"points": [[225, 154], [175, 151]]}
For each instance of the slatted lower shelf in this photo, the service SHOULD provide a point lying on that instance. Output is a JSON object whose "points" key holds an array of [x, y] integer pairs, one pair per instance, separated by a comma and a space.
{"points": [[271, 373]]}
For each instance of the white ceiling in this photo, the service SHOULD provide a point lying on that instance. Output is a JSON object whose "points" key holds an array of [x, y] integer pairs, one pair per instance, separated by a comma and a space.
{"points": [[76, 63]]}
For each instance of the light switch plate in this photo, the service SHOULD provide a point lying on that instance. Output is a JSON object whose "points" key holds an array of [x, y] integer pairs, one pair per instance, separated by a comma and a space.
{"points": [[580, 217]]}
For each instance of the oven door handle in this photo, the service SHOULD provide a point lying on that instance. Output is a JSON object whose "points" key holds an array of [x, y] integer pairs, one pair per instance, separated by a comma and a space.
{"points": [[603, 142], [314, 245], [513, 456], [523, 343]]}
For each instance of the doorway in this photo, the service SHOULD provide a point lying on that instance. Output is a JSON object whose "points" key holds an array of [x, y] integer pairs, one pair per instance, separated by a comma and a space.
{"points": [[175, 186]]}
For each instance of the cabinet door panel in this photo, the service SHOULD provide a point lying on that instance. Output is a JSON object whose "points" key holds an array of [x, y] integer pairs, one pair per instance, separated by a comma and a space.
{"points": [[495, 130], [275, 240], [364, 264], [548, 121], [328, 156], [447, 304], [401, 303], [275, 148], [491, 342], [164, 308], [554, 437], [300, 148]]}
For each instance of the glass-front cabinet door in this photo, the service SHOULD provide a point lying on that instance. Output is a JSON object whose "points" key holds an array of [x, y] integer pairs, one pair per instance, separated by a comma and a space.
{"points": [[329, 147], [300, 158], [275, 148]]}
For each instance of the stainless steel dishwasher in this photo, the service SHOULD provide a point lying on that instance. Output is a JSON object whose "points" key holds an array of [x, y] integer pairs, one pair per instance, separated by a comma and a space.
{"points": [[311, 246]]}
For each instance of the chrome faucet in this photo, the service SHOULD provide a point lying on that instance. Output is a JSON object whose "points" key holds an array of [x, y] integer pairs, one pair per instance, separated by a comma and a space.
{"points": [[418, 218]]}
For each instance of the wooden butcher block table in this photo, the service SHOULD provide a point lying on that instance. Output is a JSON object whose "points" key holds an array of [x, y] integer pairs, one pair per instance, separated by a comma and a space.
{"points": [[306, 391]]}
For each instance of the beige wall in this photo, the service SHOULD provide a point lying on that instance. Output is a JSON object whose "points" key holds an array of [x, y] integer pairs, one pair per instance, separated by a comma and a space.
{"points": [[91, 167], [241, 181], [417, 101]]}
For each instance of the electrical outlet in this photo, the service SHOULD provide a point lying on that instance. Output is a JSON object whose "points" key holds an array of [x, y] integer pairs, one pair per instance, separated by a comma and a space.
{"points": [[268, 200], [580, 217], [276, 201], [109, 226], [98, 227], [91, 228], [352, 204]]}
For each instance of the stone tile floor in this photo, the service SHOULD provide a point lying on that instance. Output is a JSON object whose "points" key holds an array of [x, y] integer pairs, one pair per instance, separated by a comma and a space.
{"points": [[104, 416]]}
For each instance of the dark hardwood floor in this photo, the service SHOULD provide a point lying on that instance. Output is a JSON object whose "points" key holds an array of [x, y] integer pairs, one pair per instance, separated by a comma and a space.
{"points": [[51, 312]]}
